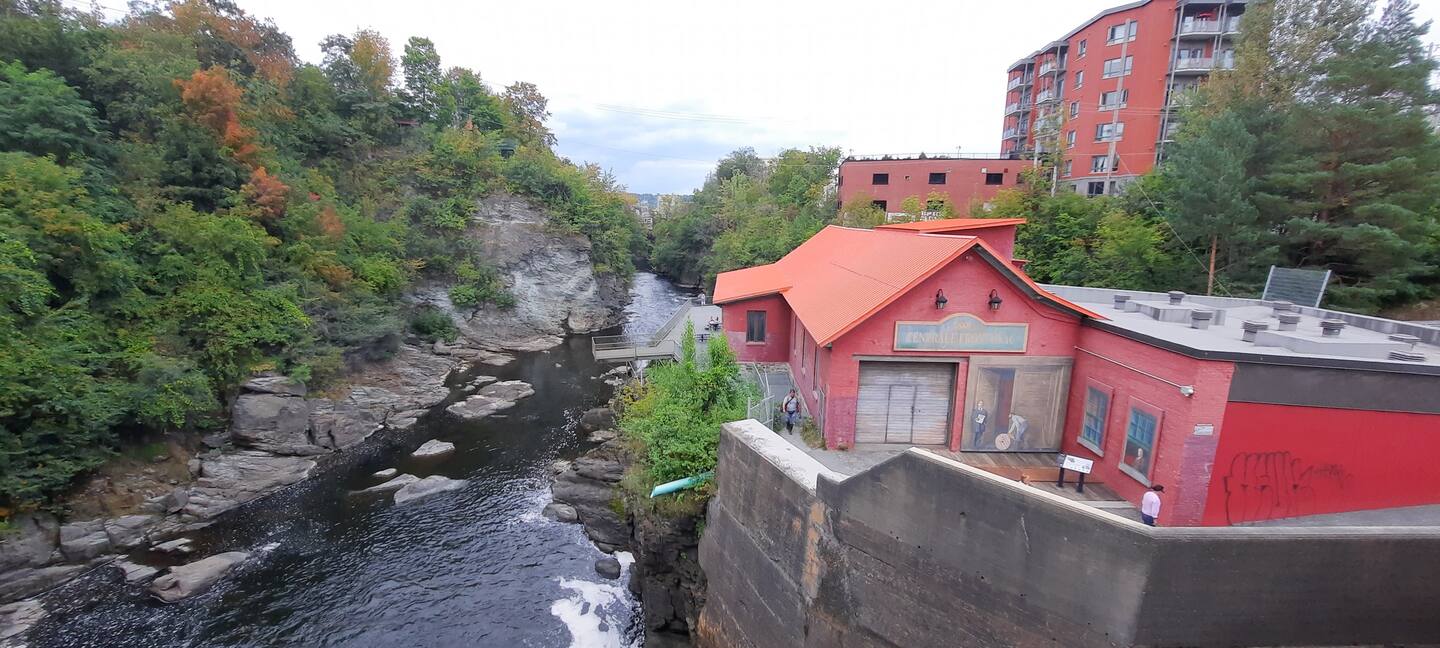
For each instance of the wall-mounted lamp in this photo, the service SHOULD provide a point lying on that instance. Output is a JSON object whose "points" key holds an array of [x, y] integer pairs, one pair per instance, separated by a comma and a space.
{"points": [[1187, 390], [940, 300], [995, 300]]}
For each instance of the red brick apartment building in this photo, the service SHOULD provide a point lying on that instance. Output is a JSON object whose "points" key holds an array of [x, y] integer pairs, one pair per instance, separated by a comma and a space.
{"points": [[1104, 94], [887, 180], [931, 334]]}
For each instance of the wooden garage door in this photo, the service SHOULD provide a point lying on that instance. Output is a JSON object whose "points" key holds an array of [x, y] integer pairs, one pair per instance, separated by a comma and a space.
{"points": [[904, 402]]}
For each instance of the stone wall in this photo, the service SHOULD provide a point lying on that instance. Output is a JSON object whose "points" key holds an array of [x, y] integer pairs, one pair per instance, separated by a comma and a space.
{"points": [[924, 551]]}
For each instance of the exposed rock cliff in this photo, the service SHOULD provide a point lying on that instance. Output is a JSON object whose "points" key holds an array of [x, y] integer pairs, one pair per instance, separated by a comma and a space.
{"points": [[549, 271]]}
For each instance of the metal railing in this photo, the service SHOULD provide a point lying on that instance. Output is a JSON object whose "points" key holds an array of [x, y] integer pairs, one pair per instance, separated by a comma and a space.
{"points": [[1011, 108], [1017, 82], [764, 409], [1210, 27], [679, 316], [630, 347]]}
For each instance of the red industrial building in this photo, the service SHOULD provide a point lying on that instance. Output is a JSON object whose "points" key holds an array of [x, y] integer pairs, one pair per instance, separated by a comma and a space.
{"points": [[930, 334], [1104, 95], [887, 180]]}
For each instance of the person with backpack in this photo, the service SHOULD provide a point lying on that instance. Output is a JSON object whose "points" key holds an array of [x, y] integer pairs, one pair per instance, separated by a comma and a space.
{"points": [[790, 407]]}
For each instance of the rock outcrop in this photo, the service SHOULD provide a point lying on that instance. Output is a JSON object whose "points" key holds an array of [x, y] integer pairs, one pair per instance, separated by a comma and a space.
{"points": [[230, 479], [491, 399], [427, 487], [433, 448], [395, 484], [550, 272], [193, 578], [589, 486]]}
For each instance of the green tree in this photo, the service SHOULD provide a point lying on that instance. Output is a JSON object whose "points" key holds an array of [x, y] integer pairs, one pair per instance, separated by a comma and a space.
{"points": [[40, 114], [424, 81]]}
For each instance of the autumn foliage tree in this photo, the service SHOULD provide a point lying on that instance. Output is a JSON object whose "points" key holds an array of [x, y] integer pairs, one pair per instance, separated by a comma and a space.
{"points": [[214, 100]]}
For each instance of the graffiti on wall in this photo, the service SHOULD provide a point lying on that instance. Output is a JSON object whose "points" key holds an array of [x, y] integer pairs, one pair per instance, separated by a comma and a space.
{"points": [[1269, 485]]}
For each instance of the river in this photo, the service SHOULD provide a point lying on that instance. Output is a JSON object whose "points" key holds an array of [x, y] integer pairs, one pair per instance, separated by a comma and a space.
{"points": [[476, 567]]}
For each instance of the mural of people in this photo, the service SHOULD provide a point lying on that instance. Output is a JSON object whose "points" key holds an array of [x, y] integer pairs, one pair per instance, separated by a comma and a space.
{"points": [[1018, 426], [979, 415]]}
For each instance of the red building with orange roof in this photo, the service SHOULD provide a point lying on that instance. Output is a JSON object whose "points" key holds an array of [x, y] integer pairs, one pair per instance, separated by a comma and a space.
{"points": [[931, 334]]}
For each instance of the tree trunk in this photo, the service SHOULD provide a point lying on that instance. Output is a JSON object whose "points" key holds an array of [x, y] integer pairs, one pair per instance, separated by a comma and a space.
{"points": [[1210, 280]]}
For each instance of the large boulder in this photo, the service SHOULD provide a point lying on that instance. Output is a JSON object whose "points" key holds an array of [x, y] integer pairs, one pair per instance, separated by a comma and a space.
{"points": [[17, 618], [30, 543], [491, 399], [339, 425], [190, 579], [412, 379], [28, 582], [590, 485], [135, 573], [395, 484], [433, 448], [427, 487], [270, 383], [597, 418], [81, 541], [129, 531], [278, 424], [233, 478]]}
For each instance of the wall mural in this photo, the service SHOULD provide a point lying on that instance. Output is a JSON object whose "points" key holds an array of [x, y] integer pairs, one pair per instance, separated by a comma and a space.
{"points": [[1015, 404], [961, 332]]}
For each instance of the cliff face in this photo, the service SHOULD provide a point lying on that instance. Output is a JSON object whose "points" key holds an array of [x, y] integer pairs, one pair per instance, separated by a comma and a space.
{"points": [[550, 272]]}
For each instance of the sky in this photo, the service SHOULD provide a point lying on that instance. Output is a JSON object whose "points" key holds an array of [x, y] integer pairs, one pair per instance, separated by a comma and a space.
{"points": [[657, 90]]}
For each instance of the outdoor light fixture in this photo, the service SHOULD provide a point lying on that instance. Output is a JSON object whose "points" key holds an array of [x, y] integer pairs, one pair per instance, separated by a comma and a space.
{"points": [[995, 300], [940, 300]]}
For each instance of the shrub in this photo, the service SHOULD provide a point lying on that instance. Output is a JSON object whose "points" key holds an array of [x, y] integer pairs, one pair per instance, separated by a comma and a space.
{"points": [[432, 324]]}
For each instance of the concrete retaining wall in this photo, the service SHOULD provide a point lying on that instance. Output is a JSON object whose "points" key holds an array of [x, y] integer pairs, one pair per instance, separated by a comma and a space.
{"points": [[924, 551]]}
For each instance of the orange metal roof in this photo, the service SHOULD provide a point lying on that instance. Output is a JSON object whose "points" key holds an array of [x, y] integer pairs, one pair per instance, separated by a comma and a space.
{"points": [[842, 276], [953, 224]]}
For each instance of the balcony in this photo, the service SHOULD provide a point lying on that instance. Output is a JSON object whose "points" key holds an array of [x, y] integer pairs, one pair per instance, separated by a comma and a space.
{"points": [[1203, 65], [1197, 27], [1018, 82], [1046, 96], [1049, 67], [1011, 109]]}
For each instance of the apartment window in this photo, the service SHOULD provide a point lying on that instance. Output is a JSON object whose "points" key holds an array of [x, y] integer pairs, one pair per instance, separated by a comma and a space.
{"points": [[880, 179], [1093, 189], [1190, 53], [1114, 99], [1070, 139], [1074, 109], [1097, 410], [1109, 132], [754, 326], [1140, 436], [937, 178], [1080, 49], [1119, 33], [994, 178], [1101, 164], [815, 362], [1116, 67], [880, 205], [1069, 166], [1079, 79]]}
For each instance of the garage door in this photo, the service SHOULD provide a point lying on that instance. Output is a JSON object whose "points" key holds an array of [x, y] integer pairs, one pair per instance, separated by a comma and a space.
{"points": [[904, 402]]}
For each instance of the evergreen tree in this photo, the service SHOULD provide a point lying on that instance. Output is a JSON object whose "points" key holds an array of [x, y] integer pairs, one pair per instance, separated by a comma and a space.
{"points": [[424, 81], [1359, 193]]}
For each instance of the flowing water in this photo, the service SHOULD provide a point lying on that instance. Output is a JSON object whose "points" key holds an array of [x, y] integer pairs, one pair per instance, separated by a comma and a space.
{"points": [[475, 567]]}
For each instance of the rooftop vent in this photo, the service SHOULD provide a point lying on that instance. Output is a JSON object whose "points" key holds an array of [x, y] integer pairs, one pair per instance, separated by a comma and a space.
{"points": [[1251, 327], [1120, 301], [1288, 321], [1407, 356], [1331, 327], [1406, 338], [1176, 296], [1200, 318], [1281, 307]]}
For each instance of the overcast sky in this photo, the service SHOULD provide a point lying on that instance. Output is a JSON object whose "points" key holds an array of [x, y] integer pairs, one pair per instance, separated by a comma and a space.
{"points": [[657, 90]]}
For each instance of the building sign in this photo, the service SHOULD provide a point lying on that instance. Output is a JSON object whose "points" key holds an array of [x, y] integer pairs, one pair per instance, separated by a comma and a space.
{"points": [[1077, 464], [960, 332]]}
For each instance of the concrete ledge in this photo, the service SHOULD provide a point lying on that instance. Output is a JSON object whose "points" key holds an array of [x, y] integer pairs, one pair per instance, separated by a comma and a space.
{"points": [[790, 460]]}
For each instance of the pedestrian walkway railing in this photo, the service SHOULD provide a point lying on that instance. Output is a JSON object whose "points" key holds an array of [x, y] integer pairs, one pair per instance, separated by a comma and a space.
{"points": [[675, 319], [644, 346], [762, 409]]}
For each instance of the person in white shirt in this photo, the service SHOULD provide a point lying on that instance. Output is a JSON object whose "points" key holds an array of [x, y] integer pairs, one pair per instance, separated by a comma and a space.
{"points": [[1150, 504]]}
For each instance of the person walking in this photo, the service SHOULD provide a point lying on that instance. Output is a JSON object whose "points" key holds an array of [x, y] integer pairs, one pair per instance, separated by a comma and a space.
{"points": [[791, 408], [1150, 504]]}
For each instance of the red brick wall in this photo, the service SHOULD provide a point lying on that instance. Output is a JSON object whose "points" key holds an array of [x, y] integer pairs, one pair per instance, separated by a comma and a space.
{"points": [[775, 348], [1278, 461], [967, 282], [1181, 460], [964, 181]]}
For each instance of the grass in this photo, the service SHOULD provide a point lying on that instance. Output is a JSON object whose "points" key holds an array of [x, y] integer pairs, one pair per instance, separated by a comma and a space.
{"points": [[811, 434]]}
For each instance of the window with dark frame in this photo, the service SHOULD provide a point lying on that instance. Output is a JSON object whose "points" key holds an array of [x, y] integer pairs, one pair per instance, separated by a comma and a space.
{"points": [[1095, 189], [879, 204], [879, 178], [1097, 409], [994, 178], [754, 326], [937, 178]]}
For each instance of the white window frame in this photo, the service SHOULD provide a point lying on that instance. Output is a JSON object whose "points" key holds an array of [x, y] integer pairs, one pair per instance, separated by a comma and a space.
{"points": [[1080, 49], [1104, 168], [1127, 63], [1074, 109], [1079, 79], [1110, 131], [1070, 139], [1112, 39]]}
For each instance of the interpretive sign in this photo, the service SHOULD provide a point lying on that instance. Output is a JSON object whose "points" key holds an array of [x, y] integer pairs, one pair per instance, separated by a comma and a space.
{"points": [[1077, 464], [961, 332]]}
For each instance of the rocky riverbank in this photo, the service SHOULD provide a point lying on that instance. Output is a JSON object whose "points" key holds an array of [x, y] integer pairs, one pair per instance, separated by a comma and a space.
{"points": [[280, 434], [666, 574]]}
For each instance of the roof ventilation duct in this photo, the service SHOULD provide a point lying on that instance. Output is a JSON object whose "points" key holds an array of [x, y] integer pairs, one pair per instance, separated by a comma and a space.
{"points": [[1250, 328], [1331, 327]]}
